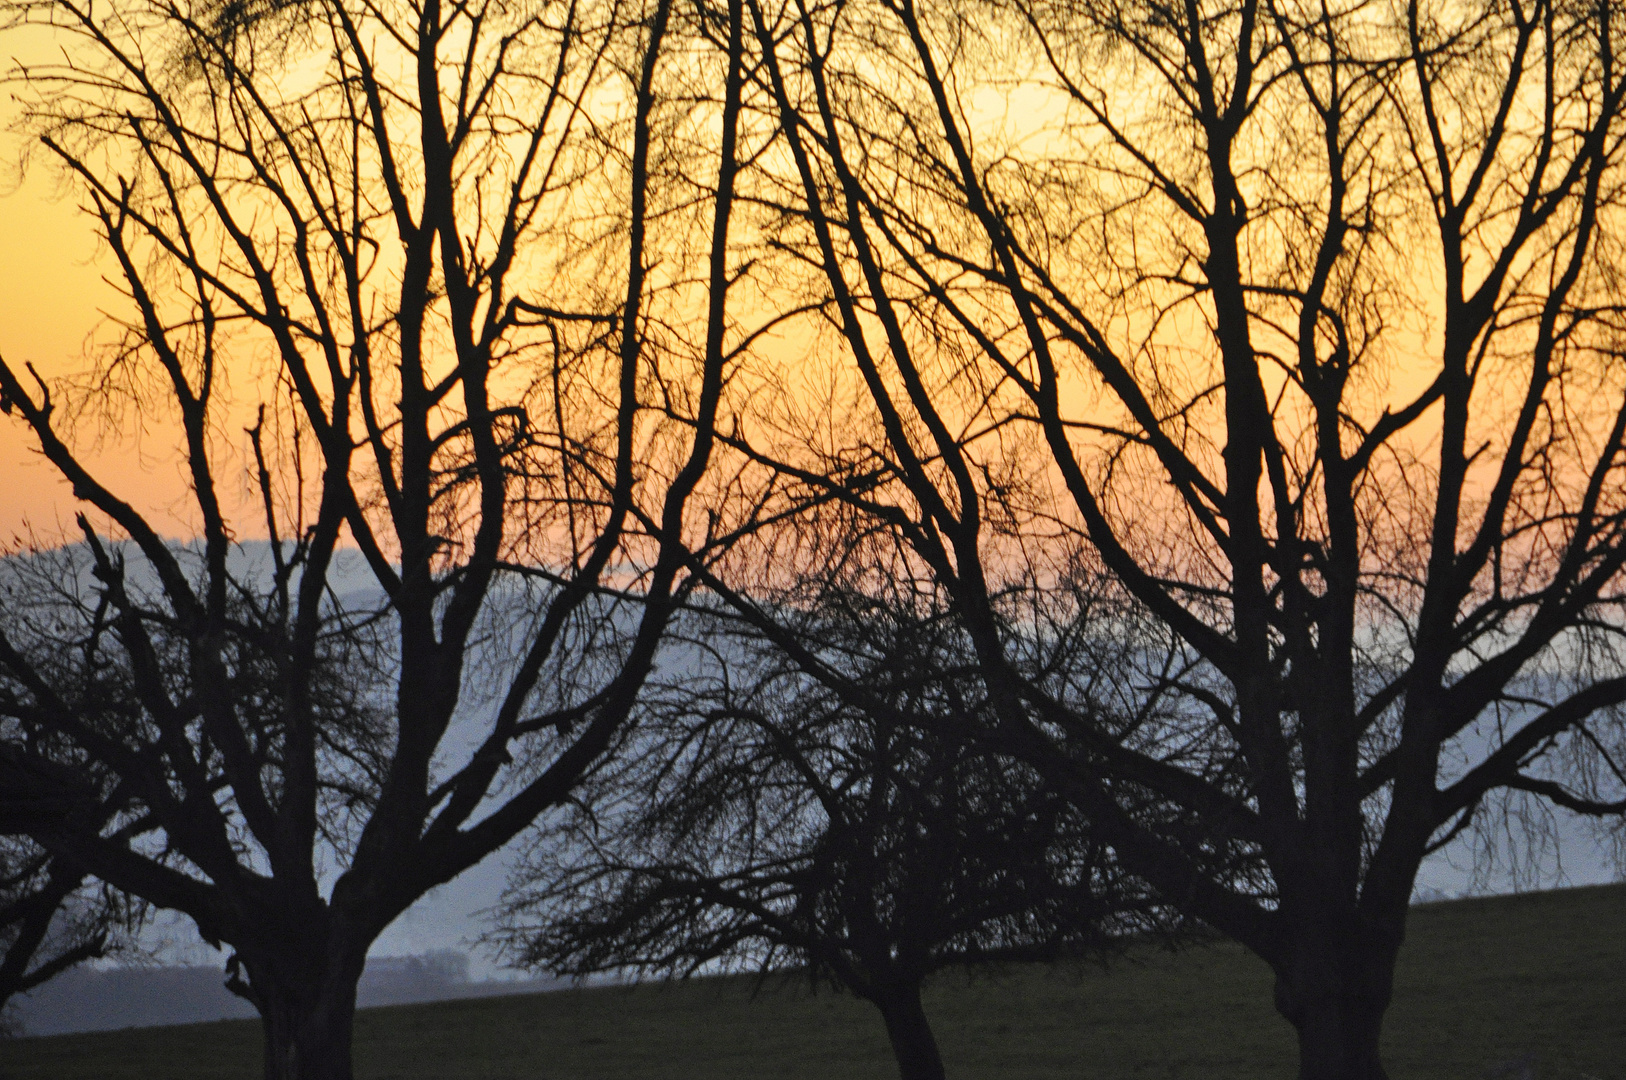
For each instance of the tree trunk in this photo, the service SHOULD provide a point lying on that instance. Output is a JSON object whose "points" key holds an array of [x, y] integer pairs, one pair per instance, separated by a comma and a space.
{"points": [[1338, 1039], [1335, 991], [906, 1025], [307, 1014]]}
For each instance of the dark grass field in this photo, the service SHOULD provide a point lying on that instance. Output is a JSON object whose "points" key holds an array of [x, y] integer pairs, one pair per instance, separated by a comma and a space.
{"points": [[1483, 984]]}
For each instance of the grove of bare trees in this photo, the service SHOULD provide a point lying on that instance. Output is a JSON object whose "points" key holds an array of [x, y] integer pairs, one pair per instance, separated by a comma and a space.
{"points": [[1237, 385]]}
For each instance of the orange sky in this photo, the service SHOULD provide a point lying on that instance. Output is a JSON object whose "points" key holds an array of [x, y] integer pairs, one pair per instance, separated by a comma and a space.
{"points": [[52, 296]]}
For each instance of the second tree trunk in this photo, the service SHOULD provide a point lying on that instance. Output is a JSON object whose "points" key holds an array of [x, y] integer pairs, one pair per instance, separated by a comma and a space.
{"points": [[911, 1034]]}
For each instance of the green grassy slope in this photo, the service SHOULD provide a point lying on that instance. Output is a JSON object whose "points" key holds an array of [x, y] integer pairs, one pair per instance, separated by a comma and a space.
{"points": [[1481, 984]]}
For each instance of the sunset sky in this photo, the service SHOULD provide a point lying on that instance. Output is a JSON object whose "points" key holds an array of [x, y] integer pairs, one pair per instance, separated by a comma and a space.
{"points": [[52, 296], [53, 301]]}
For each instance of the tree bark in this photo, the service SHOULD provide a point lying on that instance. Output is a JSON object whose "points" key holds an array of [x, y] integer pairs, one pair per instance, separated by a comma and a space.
{"points": [[1338, 1040], [307, 1013], [1334, 992], [911, 1033]]}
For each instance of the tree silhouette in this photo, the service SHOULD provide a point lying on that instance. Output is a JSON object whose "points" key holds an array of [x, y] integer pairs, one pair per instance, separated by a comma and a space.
{"points": [[760, 822], [52, 917], [1296, 323], [429, 228]]}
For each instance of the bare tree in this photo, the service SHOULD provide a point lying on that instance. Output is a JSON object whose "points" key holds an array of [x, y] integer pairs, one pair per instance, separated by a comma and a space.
{"points": [[760, 822], [52, 917], [440, 262], [53, 914], [1310, 315]]}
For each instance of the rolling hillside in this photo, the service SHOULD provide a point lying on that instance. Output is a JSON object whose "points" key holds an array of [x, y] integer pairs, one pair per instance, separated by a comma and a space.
{"points": [[1485, 986]]}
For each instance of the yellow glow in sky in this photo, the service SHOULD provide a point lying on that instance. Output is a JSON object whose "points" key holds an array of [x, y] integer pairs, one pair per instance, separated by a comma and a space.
{"points": [[53, 297]]}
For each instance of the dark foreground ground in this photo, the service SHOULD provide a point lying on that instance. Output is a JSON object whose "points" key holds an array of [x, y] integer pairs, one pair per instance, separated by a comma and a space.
{"points": [[1485, 986]]}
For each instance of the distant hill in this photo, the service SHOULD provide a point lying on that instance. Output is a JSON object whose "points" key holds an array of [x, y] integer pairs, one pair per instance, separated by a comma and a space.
{"points": [[88, 999]]}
